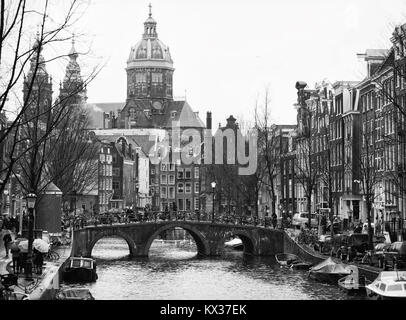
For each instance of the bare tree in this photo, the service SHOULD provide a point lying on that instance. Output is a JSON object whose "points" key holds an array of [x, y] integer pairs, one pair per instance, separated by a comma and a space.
{"points": [[268, 157], [35, 117]]}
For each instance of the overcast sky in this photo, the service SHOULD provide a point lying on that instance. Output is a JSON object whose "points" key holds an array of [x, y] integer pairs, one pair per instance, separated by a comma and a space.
{"points": [[226, 52]]}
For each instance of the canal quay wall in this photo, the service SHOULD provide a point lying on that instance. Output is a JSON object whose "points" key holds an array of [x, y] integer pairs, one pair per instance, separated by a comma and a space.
{"points": [[308, 254], [49, 284]]}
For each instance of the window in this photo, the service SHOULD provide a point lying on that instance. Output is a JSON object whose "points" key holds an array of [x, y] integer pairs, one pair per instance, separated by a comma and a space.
{"points": [[181, 205], [171, 179], [180, 187], [157, 77], [140, 77], [116, 185], [197, 204], [163, 167], [173, 114], [164, 179], [171, 193], [116, 172], [171, 167], [164, 194], [180, 173], [188, 174], [152, 171], [188, 204], [102, 158], [188, 187], [197, 187]]}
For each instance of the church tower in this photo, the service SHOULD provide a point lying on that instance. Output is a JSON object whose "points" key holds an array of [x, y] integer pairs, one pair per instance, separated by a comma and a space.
{"points": [[73, 89], [149, 79], [37, 87]]}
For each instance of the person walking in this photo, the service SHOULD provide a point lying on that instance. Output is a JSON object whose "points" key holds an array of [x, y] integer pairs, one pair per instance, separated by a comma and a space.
{"points": [[274, 220], [7, 239], [15, 253]]}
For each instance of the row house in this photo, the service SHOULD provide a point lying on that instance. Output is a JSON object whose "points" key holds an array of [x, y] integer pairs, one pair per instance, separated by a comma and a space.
{"points": [[278, 195], [359, 127], [325, 117]]}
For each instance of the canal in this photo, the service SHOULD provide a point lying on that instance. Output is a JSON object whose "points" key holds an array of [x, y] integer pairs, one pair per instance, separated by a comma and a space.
{"points": [[174, 271]]}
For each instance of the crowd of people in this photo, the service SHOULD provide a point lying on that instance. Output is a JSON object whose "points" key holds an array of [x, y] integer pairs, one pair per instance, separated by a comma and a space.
{"points": [[72, 222]]}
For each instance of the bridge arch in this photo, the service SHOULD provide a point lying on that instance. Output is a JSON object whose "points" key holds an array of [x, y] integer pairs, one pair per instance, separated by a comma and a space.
{"points": [[247, 241], [200, 240], [110, 234]]}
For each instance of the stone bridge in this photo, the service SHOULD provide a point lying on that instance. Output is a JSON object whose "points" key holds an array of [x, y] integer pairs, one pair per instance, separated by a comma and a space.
{"points": [[208, 237]]}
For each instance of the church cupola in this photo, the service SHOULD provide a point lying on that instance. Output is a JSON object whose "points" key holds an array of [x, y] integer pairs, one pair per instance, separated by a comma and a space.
{"points": [[150, 66]]}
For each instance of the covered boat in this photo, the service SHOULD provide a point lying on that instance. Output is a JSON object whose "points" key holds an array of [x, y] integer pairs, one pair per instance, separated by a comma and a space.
{"points": [[389, 285], [352, 283], [329, 271], [75, 294], [80, 270]]}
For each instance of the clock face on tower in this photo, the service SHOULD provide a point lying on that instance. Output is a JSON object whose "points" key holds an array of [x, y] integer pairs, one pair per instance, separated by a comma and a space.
{"points": [[157, 105]]}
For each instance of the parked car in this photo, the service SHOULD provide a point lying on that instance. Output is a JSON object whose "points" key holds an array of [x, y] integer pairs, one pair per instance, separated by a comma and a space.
{"points": [[300, 219]]}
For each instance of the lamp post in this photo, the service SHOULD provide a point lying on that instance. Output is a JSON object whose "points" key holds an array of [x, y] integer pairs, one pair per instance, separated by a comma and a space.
{"points": [[31, 198], [213, 186]]}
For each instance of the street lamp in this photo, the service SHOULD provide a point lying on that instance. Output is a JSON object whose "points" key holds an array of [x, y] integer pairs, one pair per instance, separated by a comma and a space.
{"points": [[31, 198], [213, 186]]}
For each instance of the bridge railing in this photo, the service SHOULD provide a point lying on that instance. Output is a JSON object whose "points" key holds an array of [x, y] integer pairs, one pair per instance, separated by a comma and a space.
{"points": [[180, 216]]}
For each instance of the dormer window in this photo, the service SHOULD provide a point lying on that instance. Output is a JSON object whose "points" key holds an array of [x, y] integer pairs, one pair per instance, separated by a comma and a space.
{"points": [[147, 113], [173, 114]]}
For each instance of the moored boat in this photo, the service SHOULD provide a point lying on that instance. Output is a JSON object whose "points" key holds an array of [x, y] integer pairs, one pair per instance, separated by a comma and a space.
{"points": [[235, 244], [389, 285], [301, 266], [329, 271], [287, 259], [75, 294], [80, 270]]}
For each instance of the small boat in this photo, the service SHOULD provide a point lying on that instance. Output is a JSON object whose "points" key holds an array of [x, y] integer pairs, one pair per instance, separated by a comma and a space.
{"points": [[329, 271], [287, 259], [301, 266], [389, 285], [235, 244], [353, 283], [75, 294], [80, 270]]}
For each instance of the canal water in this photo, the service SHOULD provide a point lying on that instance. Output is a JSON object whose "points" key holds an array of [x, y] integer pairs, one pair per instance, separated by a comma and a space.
{"points": [[174, 271]]}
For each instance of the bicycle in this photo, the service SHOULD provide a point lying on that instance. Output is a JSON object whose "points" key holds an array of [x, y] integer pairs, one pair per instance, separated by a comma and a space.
{"points": [[51, 255]]}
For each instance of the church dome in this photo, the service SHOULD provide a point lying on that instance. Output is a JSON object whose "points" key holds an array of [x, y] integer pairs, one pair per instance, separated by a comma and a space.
{"points": [[150, 51]]}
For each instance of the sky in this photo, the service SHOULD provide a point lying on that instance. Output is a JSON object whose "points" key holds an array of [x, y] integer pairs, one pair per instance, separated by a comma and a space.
{"points": [[227, 52]]}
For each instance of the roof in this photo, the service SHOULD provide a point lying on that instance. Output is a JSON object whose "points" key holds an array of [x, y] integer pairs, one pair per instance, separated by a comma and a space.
{"points": [[376, 53], [178, 111], [145, 142], [52, 189], [96, 111]]}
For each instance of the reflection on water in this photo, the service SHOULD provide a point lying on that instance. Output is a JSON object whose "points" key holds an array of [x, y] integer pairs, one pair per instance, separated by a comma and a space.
{"points": [[176, 272]]}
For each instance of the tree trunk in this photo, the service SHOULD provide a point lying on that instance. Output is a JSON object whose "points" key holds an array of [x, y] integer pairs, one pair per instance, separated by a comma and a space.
{"points": [[370, 235], [309, 209]]}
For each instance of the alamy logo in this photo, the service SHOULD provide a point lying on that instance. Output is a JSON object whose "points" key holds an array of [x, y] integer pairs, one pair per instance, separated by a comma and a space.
{"points": [[192, 146]]}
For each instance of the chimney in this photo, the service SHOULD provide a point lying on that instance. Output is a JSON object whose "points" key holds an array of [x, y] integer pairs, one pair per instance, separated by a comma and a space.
{"points": [[118, 125], [209, 121]]}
